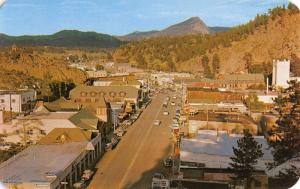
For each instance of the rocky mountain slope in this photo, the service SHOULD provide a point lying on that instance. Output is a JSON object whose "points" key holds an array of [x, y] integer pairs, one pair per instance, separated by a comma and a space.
{"points": [[193, 25]]}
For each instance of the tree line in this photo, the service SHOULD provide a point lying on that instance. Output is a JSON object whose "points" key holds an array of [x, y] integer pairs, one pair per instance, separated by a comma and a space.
{"points": [[165, 53]]}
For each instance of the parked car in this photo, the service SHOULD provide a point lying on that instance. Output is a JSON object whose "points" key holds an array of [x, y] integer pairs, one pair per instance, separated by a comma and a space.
{"points": [[157, 177], [108, 146], [173, 103], [174, 97], [166, 113], [127, 122], [120, 132], [157, 122], [111, 145], [87, 175], [160, 184], [79, 185]]}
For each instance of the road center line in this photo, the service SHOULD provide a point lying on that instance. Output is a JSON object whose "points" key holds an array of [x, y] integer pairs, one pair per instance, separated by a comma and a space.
{"points": [[138, 151]]}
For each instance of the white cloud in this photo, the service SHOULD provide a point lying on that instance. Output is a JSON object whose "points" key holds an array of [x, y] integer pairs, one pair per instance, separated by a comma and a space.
{"points": [[2, 2]]}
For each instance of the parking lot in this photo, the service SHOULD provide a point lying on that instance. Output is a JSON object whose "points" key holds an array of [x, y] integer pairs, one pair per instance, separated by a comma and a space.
{"points": [[140, 152]]}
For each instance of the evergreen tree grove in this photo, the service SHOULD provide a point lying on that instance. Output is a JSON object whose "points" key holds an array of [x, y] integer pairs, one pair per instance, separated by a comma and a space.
{"points": [[285, 135]]}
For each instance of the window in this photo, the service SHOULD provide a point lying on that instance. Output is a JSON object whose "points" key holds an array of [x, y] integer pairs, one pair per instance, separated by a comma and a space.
{"points": [[93, 94], [30, 132], [122, 94], [2, 101], [13, 101], [112, 94], [88, 100], [83, 94]]}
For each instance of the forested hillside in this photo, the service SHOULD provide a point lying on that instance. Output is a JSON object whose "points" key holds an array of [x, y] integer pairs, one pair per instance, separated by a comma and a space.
{"points": [[65, 38], [266, 37]]}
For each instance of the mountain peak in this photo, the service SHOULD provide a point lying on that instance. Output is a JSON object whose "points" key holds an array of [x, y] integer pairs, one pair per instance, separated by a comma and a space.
{"points": [[195, 19], [193, 25]]}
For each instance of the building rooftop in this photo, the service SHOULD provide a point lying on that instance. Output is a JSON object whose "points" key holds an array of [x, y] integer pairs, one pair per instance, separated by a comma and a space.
{"points": [[85, 120], [36, 162], [125, 83], [214, 149], [49, 115], [289, 164], [243, 77], [66, 135], [62, 104], [19, 91], [108, 92]]}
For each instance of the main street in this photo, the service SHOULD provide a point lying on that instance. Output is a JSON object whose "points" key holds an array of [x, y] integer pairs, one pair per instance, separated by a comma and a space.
{"points": [[140, 152]]}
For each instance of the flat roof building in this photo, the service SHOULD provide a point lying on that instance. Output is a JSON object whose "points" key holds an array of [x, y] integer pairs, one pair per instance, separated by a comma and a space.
{"points": [[213, 149], [50, 166]]}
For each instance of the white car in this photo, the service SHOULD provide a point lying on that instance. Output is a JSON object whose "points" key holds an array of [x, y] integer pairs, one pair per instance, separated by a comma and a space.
{"points": [[174, 97], [156, 122], [173, 103], [166, 113]]}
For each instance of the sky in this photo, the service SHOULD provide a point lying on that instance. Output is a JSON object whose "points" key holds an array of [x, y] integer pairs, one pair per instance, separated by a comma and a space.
{"points": [[119, 17]]}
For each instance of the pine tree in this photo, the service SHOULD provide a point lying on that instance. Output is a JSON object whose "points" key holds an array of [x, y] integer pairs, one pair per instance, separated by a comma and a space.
{"points": [[285, 135], [246, 156], [216, 64], [248, 60], [205, 65]]}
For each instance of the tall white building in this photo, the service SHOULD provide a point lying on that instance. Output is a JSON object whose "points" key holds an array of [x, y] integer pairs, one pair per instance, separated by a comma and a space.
{"points": [[281, 73]]}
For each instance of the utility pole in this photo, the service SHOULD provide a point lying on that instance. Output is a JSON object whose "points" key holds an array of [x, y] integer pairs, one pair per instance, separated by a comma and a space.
{"points": [[10, 107], [207, 116]]}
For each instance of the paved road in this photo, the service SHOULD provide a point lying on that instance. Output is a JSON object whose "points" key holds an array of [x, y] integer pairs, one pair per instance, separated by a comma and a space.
{"points": [[140, 152]]}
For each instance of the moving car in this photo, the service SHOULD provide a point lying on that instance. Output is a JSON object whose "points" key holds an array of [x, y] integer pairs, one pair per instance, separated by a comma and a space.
{"points": [[166, 113], [168, 162], [174, 120], [157, 122], [175, 126]]}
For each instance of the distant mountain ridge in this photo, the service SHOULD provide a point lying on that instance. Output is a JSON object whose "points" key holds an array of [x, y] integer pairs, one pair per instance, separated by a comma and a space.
{"points": [[193, 25], [64, 38]]}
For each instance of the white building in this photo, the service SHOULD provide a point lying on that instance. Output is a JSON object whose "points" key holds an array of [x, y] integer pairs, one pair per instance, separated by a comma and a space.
{"points": [[102, 83], [17, 100], [96, 74], [281, 73], [213, 150]]}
